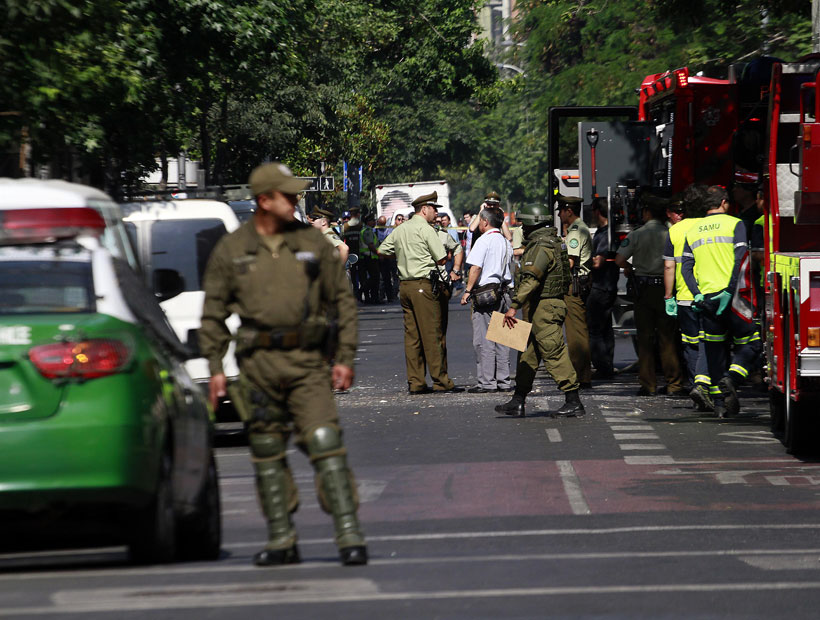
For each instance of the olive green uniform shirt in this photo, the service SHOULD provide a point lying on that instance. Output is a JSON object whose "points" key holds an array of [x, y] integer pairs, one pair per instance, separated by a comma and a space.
{"points": [[645, 245], [266, 281], [331, 236], [416, 246], [450, 244], [579, 246]]}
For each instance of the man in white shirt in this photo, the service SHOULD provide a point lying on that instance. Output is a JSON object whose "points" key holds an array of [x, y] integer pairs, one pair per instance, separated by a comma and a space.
{"points": [[490, 274]]}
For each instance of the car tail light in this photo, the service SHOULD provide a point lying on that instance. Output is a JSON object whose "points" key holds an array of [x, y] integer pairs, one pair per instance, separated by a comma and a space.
{"points": [[87, 359], [32, 225]]}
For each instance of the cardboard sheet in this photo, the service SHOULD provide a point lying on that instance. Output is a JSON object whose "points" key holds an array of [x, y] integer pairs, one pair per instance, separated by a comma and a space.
{"points": [[515, 338]]}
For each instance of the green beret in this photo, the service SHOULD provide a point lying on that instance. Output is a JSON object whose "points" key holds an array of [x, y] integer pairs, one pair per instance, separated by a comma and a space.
{"points": [[427, 199]]}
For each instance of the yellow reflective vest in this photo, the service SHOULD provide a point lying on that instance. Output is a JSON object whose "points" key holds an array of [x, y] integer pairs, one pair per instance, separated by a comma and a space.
{"points": [[677, 235], [712, 244]]}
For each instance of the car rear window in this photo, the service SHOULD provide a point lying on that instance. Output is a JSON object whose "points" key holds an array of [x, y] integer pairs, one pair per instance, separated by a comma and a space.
{"points": [[45, 281], [185, 245]]}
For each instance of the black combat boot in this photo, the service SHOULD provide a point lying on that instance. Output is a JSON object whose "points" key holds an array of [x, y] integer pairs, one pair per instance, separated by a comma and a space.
{"points": [[572, 407], [276, 557], [353, 556], [514, 407]]}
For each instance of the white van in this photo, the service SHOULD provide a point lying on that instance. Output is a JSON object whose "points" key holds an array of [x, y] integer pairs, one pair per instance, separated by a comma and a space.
{"points": [[179, 235]]}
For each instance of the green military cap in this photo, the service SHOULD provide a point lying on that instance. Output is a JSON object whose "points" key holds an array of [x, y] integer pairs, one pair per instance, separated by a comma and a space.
{"points": [[568, 200], [318, 212], [275, 176], [532, 214], [427, 199], [492, 198]]}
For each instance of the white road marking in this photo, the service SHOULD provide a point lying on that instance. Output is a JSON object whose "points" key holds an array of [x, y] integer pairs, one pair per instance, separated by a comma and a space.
{"points": [[314, 592], [623, 420], [642, 446], [750, 437], [572, 487], [632, 427], [668, 460], [628, 436], [783, 481], [554, 435], [649, 460], [116, 572], [802, 561]]}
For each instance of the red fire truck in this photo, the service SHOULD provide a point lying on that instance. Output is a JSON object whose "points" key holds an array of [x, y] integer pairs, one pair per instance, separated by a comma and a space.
{"points": [[763, 120]]}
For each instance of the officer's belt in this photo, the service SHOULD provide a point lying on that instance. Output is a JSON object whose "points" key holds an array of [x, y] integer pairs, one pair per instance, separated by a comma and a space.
{"points": [[649, 280], [414, 279], [284, 338]]}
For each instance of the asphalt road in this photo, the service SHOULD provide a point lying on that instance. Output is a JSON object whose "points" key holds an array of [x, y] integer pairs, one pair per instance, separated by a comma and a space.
{"points": [[643, 508]]}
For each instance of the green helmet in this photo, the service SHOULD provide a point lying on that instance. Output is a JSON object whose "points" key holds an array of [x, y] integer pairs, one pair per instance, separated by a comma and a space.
{"points": [[533, 214]]}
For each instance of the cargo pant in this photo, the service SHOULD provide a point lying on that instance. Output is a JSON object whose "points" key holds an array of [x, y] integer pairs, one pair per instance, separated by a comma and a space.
{"points": [[546, 344], [282, 392]]}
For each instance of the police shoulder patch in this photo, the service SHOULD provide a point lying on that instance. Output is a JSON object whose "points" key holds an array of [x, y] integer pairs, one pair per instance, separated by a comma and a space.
{"points": [[625, 242], [573, 243]]}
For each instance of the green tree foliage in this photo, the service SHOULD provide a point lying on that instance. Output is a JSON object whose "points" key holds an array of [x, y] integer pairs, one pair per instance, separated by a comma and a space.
{"points": [[597, 52], [101, 87]]}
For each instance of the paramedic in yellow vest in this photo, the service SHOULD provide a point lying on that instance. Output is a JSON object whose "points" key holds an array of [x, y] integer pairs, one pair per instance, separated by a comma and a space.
{"points": [[713, 252], [678, 298]]}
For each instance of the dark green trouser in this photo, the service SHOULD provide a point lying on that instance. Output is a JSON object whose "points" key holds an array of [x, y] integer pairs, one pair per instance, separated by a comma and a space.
{"points": [[578, 337], [423, 336], [546, 343]]}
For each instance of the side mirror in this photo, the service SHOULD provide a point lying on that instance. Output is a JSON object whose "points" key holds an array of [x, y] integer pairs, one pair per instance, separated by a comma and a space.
{"points": [[167, 283]]}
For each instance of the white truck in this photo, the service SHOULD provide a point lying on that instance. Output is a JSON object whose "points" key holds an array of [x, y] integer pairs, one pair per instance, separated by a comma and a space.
{"points": [[395, 198]]}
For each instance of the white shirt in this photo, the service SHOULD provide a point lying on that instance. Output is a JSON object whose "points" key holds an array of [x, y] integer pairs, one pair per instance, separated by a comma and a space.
{"points": [[493, 253]]}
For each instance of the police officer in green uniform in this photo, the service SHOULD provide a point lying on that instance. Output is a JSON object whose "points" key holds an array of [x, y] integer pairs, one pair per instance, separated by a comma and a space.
{"points": [[541, 284], [579, 248], [321, 219], [288, 287], [419, 251], [713, 253], [645, 245]]}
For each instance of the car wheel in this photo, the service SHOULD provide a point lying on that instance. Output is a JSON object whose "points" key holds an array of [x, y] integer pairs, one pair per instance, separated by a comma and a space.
{"points": [[200, 536], [153, 534]]}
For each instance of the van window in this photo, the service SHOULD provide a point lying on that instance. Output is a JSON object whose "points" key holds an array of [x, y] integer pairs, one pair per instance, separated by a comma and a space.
{"points": [[185, 245]]}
